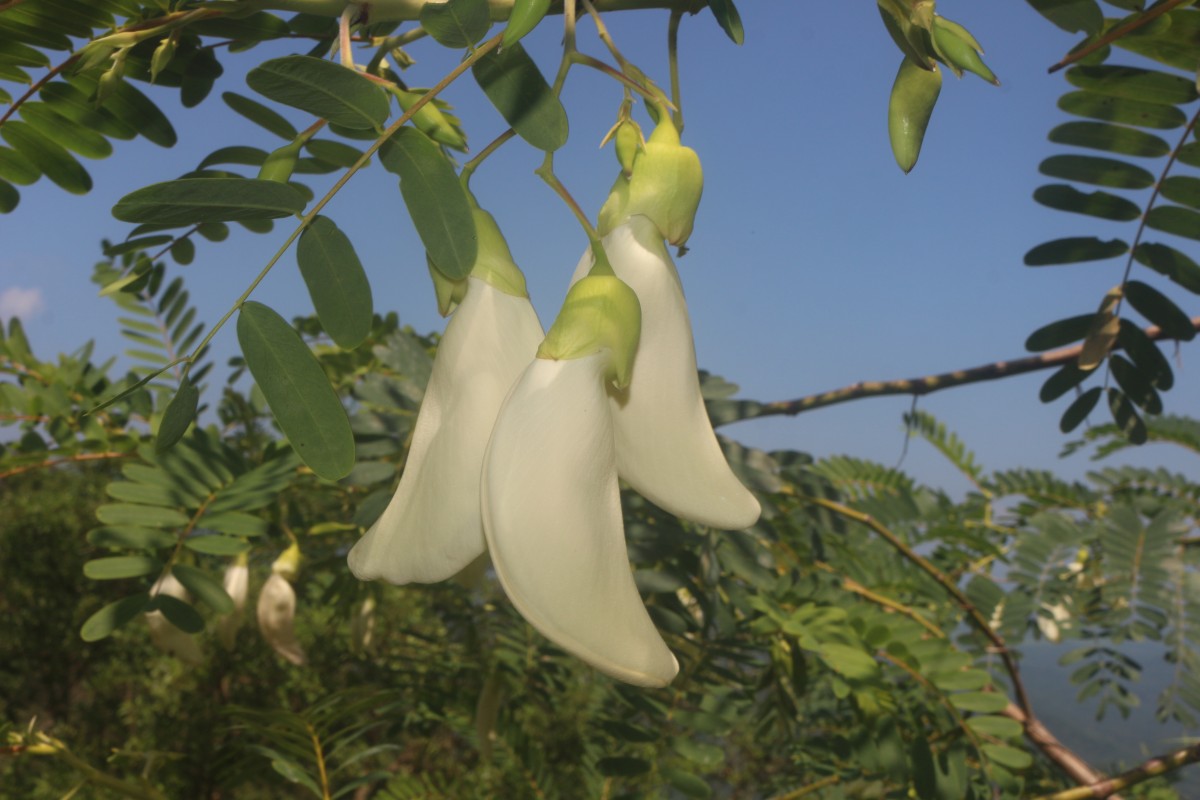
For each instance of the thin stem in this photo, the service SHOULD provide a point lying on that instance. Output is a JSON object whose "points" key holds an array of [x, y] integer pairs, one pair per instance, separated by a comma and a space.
{"points": [[1116, 33], [469, 168], [37, 87], [344, 51], [812, 788], [929, 384], [605, 36], [596, 64], [673, 63], [306, 220], [54, 462], [1159, 765], [546, 173]]}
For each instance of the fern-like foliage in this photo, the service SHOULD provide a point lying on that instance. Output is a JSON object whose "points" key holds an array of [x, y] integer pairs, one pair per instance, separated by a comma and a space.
{"points": [[1140, 119]]}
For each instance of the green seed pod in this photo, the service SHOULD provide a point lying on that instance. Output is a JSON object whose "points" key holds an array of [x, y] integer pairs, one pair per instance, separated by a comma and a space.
{"points": [[280, 163], [959, 50], [431, 120], [913, 96]]}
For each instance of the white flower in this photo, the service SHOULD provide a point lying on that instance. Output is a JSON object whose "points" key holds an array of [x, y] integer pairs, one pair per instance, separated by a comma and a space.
{"points": [[666, 448], [277, 607], [432, 528], [167, 637], [237, 586], [552, 513]]}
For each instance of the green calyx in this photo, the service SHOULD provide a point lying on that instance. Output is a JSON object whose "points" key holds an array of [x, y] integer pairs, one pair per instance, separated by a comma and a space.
{"points": [[281, 162], [616, 208], [493, 264], [288, 563], [600, 313], [432, 120], [959, 50], [666, 183]]}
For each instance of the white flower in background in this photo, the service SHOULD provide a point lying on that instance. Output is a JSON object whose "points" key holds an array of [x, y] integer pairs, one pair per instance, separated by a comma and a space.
{"points": [[362, 626], [163, 634], [432, 528], [666, 448], [551, 504], [277, 607], [237, 586]]}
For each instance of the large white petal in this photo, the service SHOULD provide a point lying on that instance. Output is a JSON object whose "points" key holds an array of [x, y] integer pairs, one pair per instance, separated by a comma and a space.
{"points": [[164, 635], [277, 618], [432, 528], [666, 448], [552, 513]]}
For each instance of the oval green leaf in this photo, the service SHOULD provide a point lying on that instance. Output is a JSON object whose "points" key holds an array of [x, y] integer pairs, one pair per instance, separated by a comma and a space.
{"points": [[514, 84], [1168, 261], [1064, 380], [66, 132], [525, 16], [1133, 83], [1126, 416], [9, 197], [336, 282], [189, 201], [1113, 138], [1159, 309], [308, 410], [101, 624], [1175, 219], [1145, 354], [1182, 189], [984, 702], [729, 19], [139, 515], [204, 588], [216, 545], [17, 168], [117, 567], [130, 537], [1135, 384], [1121, 109], [456, 23], [178, 416], [1073, 250], [178, 613], [322, 88], [50, 158], [1059, 333], [1104, 205], [436, 200], [260, 115], [236, 154], [1098, 171]]}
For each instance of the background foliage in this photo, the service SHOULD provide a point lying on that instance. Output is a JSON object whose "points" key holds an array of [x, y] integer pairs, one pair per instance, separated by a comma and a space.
{"points": [[863, 640]]}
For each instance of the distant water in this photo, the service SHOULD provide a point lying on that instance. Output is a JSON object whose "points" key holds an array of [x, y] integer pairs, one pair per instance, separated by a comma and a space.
{"points": [[1115, 743]]}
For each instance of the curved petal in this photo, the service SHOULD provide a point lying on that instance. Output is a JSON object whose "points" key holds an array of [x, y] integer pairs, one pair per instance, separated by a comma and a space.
{"points": [[277, 616], [164, 635], [552, 514], [432, 528], [237, 586], [666, 448]]}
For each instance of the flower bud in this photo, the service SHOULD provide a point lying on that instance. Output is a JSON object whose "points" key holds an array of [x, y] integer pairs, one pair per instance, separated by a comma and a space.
{"points": [[280, 163], [237, 586], [666, 184], [432, 120], [628, 144]]}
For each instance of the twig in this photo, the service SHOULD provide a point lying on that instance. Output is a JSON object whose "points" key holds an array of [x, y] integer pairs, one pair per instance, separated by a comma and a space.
{"points": [[1159, 765], [1116, 33], [54, 462], [928, 384], [804, 791]]}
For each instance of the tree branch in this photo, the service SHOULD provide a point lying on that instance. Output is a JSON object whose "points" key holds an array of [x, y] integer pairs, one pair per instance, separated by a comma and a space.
{"points": [[916, 387], [1145, 18], [401, 10], [1160, 765]]}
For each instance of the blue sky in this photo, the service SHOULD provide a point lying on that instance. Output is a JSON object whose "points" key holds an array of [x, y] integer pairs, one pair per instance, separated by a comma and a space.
{"points": [[815, 262]]}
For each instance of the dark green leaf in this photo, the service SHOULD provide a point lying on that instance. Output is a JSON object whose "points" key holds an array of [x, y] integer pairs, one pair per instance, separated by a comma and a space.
{"points": [[1113, 138], [623, 766], [1133, 83], [525, 16], [183, 251], [178, 416], [204, 587], [1059, 333], [513, 83], [1073, 250], [729, 19], [999, 727], [132, 107], [1135, 385], [1182, 189], [322, 88], [1104, 205], [1170, 262], [436, 200], [66, 132], [689, 784], [704, 755], [336, 282], [213, 231], [1007, 756], [17, 168], [178, 613], [131, 537], [308, 410], [456, 23], [1079, 409], [1122, 110], [1097, 170], [1061, 382], [234, 523], [199, 75], [9, 197], [1189, 154], [147, 516], [216, 545], [1174, 219], [72, 102], [1073, 16], [1125, 415], [985, 702], [117, 567], [237, 154], [192, 200], [101, 624], [51, 159], [1145, 354], [1159, 309], [334, 152], [260, 115]]}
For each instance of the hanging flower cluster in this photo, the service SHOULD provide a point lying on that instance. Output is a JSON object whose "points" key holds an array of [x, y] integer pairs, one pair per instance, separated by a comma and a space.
{"points": [[521, 438]]}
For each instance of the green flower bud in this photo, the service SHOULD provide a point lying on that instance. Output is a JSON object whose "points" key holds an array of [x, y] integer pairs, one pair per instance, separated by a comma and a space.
{"points": [[959, 50], [628, 144], [432, 120], [666, 184], [288, 563], [600, 313], [279, 164], [162, 56]]}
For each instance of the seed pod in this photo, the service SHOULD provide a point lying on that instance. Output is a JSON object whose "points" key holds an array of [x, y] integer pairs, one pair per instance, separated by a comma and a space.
{"points": [[911, 105]]}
